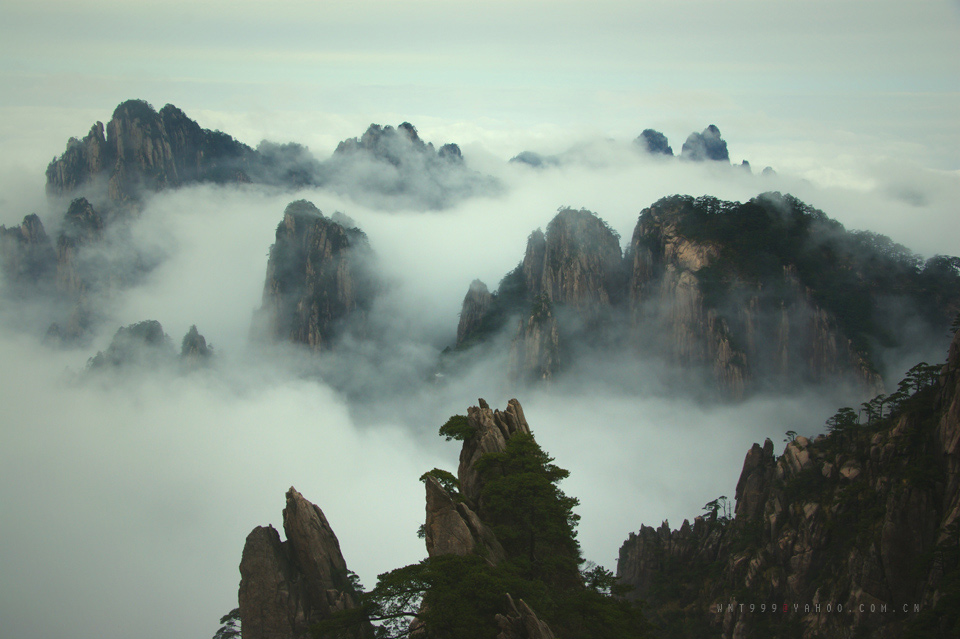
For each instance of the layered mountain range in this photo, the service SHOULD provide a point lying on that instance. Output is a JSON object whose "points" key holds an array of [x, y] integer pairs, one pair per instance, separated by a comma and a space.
{"points": [[141, 150]]}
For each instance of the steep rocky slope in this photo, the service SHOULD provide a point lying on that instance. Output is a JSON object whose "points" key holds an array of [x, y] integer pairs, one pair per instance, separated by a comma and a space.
{"points": [[767, 294], [143, 149], [318, 281], [287, 587], [852, 534]]}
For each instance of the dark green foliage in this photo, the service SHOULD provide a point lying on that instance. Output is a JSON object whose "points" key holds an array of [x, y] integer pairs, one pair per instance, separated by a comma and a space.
{"points": [[531, 516], [718, 509], [229, 625], [447, 480], [452, 596], [136, 109], [458, 597], [457, 427]]}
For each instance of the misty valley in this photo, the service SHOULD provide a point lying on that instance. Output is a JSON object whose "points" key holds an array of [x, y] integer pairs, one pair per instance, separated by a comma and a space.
{"points": [[194, 326]]}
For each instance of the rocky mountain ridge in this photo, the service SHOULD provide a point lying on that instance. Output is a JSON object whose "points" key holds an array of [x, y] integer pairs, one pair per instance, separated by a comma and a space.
{"points": [[770, 293], [852, 534], [141, 150]]}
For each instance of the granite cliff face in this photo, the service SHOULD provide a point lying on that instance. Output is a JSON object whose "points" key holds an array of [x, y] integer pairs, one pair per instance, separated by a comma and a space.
{"points": [[82, 228], [287, 587], [563, 290], [764, 295], [852, 534], [738, 323], [318, 279], [143, 149]]}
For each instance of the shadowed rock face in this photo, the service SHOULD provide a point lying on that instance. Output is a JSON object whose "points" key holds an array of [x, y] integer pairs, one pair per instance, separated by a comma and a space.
{"points": [[707, 145], [476, 306], [147, 150], [317, 279], [768, 294], [867, 518], [28, 257], [654, 143], [286, 587]]}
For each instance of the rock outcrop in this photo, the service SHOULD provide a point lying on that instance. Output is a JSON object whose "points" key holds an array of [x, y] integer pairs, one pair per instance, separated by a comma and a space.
{"points": [[452, 523], [194, 347], [319, 279], [520, 622], [143, 149], [565, 287], [723, 312], [453, 526], [654, 143], [83, 228], [768, 294], [27, 256], [849, 535], [145, 345], [393, 167], [287, 587], [475, 310], [141, 344], [706, 145]]}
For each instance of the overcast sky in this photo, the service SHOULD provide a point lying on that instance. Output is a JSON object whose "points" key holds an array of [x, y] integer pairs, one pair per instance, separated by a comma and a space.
{"points": [[139, 496]]}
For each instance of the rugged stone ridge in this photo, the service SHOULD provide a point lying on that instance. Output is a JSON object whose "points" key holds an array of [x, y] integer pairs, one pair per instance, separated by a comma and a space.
{"points": [[855, 533], [28, 258], [569, 279], [768, 294], [150, 150], [286, 587], [318, 279], [393, 167], [741, 324]]}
